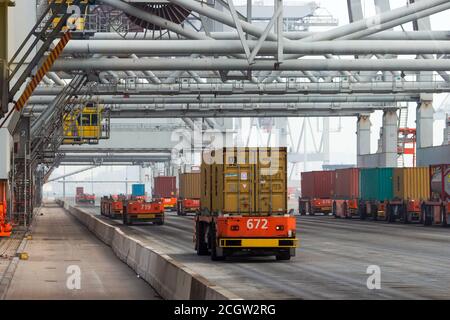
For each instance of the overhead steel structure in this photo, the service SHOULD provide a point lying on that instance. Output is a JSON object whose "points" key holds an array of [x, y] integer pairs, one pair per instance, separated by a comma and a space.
{"points": [[194, 60]]}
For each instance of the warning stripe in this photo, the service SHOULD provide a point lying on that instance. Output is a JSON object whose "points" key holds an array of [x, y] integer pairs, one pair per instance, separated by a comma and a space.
{"points": [[37, 78]]}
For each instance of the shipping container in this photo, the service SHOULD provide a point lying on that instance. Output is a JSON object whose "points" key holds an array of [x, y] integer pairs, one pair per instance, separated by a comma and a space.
{"points": [[189, 185], [138, 190], [346, 184], [317, 192], [318, 184], [436, 210], [411, 183], [165, 187], [440, 181], [247, 181], [244, 204], [375, 184]]}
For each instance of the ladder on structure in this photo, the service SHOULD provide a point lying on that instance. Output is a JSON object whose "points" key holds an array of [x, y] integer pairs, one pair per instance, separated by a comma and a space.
{"points": [[47, 29]]}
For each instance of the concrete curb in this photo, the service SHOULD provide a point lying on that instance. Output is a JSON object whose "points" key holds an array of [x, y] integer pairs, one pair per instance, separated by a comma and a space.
{"points": [[9, 273], [171, 279]]}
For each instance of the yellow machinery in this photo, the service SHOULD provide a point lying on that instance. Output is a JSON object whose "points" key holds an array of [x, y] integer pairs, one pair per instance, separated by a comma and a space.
{"points": [[77, 22], [86, 125]]}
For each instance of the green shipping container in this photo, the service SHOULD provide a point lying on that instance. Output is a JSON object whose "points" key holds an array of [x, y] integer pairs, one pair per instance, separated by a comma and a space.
{"points": [[376, 184]]}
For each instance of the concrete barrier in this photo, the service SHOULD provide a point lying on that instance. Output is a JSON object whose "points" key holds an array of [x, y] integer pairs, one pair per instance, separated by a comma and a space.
{"points": [[171, 279]]}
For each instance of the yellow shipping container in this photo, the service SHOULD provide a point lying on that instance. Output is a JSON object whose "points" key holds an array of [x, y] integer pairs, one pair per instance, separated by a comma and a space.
{"points": [[411, 183], [190, 187], [245, 181]]}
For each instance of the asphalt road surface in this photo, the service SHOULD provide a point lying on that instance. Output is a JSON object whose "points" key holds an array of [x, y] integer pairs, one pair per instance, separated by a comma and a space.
{"points": [[331, 261]]}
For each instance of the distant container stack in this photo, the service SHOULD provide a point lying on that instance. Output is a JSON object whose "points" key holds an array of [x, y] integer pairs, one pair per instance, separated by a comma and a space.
{"points": [[346, 196], [189, 193], [410, 186], [165, 187], [138, 190], [317, 190]]}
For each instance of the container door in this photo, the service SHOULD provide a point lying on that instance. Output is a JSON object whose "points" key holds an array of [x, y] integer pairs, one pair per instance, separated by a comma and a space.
{"points": [[271, 181]]}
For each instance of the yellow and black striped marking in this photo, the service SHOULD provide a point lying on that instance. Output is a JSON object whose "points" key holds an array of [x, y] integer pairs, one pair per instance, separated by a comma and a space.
{"points": [[37, 78]]}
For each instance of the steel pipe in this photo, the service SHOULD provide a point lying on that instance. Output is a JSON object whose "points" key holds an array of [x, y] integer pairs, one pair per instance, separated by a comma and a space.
{"points": [[303, 88], [102, 64], [225, 47], [42, 100]]}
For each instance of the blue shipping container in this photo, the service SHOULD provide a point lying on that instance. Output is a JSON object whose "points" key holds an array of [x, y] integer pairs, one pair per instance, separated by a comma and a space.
{"points": [[138, 190]]}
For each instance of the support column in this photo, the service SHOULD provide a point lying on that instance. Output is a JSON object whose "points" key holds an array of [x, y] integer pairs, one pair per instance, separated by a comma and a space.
{"points": [[388, 157], [362, 138], [424, 122], [281, 125]]}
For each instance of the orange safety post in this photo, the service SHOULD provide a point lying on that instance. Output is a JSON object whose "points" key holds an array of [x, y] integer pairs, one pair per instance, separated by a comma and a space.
{"points": [[5, 228]]}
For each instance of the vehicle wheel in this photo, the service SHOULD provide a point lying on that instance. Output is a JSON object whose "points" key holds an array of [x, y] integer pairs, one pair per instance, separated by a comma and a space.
{"points": [[214, 256], [405, 215], [443, 217], [334, 209], [362, 212], [345, 209], [389, 213], [374, 212], [310, 209], [200, 244], [283, 256], [427, 218], [126, 220]]}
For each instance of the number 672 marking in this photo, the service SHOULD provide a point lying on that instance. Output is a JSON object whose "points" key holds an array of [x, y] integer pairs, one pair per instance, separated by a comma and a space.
{"points": [[257, 224]]}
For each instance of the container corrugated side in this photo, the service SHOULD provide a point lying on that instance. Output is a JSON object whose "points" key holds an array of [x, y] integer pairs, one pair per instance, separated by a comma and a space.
{"points": [[138, 190], [412, 183], [307, 184], [376, 184], [190, 185], [246, 182], [318, 184], [165, 187], [347, 184]]}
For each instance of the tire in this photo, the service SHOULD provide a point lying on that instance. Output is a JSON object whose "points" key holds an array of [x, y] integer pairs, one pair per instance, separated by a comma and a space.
{"points": [[345, 208], [125, 219], [160, 221], [389, 217], [405, 215], [362, 211], [374, 212], [310, 209], [214, 256], [334, 209], [427, 219], [200, 245], [283, 256], [443, 217]]}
